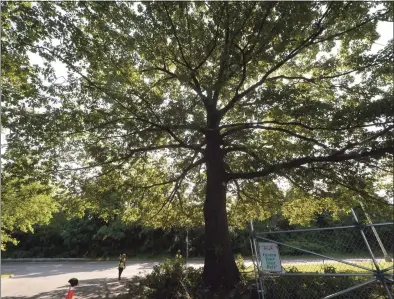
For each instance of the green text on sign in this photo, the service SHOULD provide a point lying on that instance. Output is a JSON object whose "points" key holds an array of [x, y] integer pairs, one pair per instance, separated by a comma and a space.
{"points": [[269, 256]]}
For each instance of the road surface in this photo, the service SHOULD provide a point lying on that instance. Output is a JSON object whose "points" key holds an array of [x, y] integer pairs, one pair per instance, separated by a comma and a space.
{"points": [[47, 280]]}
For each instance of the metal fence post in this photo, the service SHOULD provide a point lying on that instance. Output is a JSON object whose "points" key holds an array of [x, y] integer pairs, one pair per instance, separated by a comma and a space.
{"points": [[187, 245], [386, 256], [379, 272], [259, 277]]}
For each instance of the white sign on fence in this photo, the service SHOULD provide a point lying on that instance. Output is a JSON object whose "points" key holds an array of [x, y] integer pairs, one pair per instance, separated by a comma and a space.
{"points": [[269, 256]]}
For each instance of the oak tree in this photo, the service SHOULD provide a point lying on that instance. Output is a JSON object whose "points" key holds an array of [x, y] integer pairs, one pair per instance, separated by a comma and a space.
{"points": [[204, 106]]}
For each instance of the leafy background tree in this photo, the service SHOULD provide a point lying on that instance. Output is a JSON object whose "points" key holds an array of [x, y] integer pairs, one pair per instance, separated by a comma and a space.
{"points": [[200, 109], [23, 205]]}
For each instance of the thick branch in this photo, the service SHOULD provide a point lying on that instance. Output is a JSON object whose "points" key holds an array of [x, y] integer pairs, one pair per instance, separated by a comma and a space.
{"points": [[291, 133], [309, 160], [296, 123]]}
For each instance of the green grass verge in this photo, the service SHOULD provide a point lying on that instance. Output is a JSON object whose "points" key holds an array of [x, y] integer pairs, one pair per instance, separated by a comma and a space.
{"points": [[6, 275], [339, 267]]}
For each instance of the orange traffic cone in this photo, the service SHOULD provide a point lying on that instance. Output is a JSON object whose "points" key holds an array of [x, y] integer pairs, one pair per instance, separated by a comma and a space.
{"points": [[70, 294]]}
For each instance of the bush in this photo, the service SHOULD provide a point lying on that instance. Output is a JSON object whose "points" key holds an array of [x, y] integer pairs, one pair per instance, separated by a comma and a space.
{"points": [[311, 287], [301, 287], [173, 280], [169, 280]]}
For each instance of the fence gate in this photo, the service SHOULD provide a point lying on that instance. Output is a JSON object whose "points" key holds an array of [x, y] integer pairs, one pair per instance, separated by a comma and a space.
{"points": [[352, 262]]}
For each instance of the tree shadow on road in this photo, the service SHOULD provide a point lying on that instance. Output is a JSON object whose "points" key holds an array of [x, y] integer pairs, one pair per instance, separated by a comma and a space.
{"points": [[70, 268], [87, 289]]}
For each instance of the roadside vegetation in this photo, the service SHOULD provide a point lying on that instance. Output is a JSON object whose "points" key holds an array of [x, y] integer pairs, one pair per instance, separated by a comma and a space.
{"points": [[174, 280]]}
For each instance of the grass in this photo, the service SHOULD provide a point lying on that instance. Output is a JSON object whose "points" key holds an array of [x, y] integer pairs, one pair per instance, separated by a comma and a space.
{"points": [[6, 275], [339, 267]]}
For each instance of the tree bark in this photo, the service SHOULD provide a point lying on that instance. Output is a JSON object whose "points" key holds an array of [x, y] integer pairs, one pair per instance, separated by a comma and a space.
{"points": [[220, 269]]}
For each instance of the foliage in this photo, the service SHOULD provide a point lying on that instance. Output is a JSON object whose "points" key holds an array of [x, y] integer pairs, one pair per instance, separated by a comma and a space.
{"points": [[181, 113], [169, 280], [329, 269], [300, 287], [24, 203], [91, 236], [317, 286], [109, 103], [334, 267], [174, 280]]}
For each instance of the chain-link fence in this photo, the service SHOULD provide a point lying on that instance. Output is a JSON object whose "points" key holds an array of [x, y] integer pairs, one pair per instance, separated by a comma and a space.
{"points": [[352, 262]]}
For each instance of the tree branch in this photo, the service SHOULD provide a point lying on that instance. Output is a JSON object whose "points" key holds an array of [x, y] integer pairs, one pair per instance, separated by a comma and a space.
{"points": [[210, 51], [243, 78], [223, 57], [313, 80], [268, 11], [130, 154], [177, 39], [311, 40], [95, 85], [305, 43], [296, 123], [308, 160], [341, 183], [242, 149], [178, 181], [353, 144], [291, 133]]}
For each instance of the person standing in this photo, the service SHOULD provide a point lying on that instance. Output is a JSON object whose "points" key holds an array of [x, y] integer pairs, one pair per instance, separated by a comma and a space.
{"points": [[72, 282], [122, 264]]}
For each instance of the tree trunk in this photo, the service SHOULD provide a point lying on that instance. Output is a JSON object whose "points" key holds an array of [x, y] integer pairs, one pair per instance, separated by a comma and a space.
{"points": [[220, 269]]}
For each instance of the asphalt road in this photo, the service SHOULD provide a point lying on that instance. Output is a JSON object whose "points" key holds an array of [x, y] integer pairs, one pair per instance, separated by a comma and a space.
{"points": [[47, 280]]}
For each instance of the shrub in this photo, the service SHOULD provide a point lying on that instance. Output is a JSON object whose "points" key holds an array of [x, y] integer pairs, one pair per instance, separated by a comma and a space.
{"points": [[329, 269], [174, 280], [169, 280], [311, 287]]}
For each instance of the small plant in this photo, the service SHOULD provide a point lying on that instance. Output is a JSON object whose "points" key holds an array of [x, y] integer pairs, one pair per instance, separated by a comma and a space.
{"points": [[292, 269], [240, 263], [329, 269]]}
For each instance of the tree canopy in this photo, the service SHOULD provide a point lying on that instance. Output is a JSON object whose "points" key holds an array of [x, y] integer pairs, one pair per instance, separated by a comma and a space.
{"points": [[23, 205], [196, 109]]}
